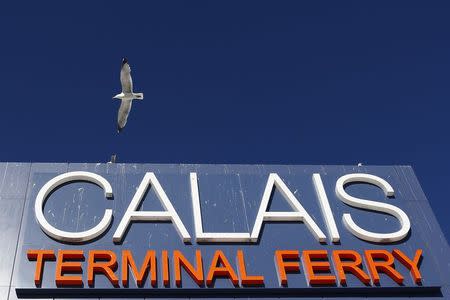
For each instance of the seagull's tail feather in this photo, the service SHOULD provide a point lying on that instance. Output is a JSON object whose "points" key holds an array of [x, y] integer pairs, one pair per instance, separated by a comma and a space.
{"points": [[119, 129], [138, 96]]}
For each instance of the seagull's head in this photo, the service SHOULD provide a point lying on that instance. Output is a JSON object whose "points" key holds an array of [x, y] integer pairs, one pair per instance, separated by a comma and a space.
{"points": [[124, 60], [118, 96]]}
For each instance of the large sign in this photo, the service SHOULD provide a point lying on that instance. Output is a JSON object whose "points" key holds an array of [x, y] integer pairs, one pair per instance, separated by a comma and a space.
{"points": [[102, 230]]}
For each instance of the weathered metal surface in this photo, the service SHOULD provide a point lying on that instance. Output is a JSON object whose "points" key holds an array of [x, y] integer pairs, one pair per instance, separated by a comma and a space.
{"points": [[13, 186], [230, 196]]}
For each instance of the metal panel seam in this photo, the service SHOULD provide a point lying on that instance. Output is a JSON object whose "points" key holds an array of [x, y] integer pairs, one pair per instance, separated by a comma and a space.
{"points": [[20, 228]]}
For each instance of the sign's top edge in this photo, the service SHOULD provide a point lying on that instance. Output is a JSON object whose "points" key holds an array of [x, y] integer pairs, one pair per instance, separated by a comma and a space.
{"points": [[205, 164]]}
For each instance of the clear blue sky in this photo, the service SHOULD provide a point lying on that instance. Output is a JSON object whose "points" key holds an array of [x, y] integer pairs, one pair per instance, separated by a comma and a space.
{"points": [[285, 82]]}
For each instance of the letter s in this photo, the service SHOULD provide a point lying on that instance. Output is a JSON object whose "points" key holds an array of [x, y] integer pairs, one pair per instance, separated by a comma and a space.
{"points": [[371, 205]]}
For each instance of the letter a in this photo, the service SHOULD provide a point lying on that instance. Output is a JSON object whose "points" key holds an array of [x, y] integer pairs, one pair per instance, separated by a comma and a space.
{"points": [[132, 213], [298, 215]]}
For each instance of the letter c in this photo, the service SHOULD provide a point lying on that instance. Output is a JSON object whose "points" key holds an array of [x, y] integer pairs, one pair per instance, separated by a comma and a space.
{"points": [[67, 236]]}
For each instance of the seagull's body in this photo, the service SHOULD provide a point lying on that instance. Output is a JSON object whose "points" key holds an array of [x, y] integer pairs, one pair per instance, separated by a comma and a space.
{"points": [[127, 96]]}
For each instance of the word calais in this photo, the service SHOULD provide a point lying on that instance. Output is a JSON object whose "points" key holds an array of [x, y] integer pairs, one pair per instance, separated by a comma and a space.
{"points": [[297, 214]]}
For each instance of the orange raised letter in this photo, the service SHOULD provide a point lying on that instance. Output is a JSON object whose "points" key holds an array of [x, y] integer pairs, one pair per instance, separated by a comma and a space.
{"points": [[286, 266], [107, 266], [40, 256], [216, 271], [384, 266], [63, 266], [165, 268], [351, 264], [247, 280], [412, 265], [313, 265], [149, 263], [180, 260]]}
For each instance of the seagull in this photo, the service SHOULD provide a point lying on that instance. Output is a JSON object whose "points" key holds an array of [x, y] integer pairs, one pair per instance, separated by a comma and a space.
{"points": [[113, 159], [127, 95]]}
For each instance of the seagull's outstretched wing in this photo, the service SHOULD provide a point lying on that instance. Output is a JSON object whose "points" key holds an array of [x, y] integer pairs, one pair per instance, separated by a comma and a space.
{"points": [[125, 77], [122, 116]]}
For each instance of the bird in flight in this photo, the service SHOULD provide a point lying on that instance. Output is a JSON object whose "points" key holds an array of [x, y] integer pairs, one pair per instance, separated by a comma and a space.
{"points": [[127, 96]]}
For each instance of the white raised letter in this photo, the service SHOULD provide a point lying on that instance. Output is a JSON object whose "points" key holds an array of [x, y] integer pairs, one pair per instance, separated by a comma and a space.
{"points": [[374, 206], [214, 237], [326, 210], [133, 214], [298, 215], [67, 236]]}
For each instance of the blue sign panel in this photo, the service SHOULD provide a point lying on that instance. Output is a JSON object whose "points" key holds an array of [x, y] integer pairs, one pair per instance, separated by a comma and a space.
{"points": [[146, 230]]}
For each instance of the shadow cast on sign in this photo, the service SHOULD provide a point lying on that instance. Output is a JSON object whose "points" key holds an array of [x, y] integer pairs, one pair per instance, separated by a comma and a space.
{"points": [[260, 292]]}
